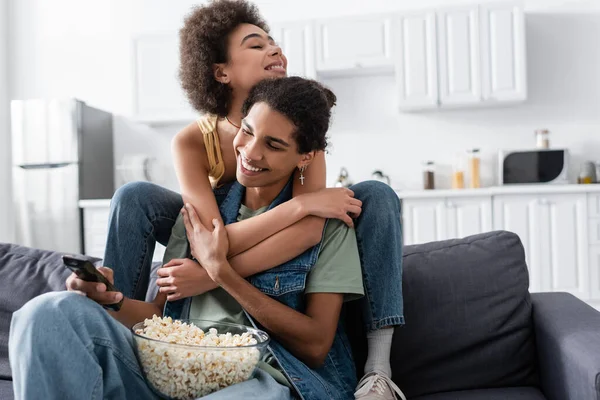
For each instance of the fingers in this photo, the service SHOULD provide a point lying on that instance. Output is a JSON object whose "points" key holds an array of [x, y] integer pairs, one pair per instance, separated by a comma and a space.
{"points": [[106, 298], [354, 210], [108, 274], [348, 220], [94, 290], [164, 282], [167, 289], [174, 262], [356, 202], [218, 226], [349, 192], [174, 296]]}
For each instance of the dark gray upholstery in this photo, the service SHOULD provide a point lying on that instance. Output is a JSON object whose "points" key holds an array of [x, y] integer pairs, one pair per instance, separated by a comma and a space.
{"points": [[568, 337], [24, 274], [518, 393], [471, 326], [468, 316], [6, 390]]}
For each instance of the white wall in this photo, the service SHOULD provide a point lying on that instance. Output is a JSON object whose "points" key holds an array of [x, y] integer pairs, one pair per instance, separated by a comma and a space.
{"points": [[82, 49], [5, 185]]}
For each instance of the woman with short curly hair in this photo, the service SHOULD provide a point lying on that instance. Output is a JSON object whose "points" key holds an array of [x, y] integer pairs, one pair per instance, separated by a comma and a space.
{"points": [[225, 50]]}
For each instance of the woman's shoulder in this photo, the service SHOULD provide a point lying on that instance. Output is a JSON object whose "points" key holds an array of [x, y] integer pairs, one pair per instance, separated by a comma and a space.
{"points": [[194, 132]]}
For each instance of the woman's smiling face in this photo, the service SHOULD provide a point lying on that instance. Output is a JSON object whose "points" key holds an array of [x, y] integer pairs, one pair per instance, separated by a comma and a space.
{"points": [[252, 56]]}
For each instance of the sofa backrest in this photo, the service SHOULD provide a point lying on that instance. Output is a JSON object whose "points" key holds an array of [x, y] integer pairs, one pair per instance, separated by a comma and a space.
{"points": [[468, 316], [24, 274]]}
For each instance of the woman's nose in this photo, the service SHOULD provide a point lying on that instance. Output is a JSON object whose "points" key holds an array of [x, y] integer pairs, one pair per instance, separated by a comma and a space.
{"points": [[275, 50]]}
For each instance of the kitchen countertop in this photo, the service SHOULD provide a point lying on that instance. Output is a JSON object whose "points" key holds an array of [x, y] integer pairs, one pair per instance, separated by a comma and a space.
{"points": [[497, 190], [424, 194], [100, 203]]}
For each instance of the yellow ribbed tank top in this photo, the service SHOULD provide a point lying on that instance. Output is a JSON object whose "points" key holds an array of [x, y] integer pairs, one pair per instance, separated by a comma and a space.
{"points": [[208, 127]]}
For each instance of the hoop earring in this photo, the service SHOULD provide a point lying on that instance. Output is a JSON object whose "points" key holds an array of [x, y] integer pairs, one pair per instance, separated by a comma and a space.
{"points": [[302, 169]]}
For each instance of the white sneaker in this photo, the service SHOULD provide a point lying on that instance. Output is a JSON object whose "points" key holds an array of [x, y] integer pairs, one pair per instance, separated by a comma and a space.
{"points": [[375, 386]]}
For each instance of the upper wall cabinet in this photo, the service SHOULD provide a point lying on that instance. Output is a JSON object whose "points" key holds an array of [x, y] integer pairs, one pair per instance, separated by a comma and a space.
{"points": [[157, 94], [503, 52], [459, 55], [297, 42], [415, 59], [479, 56], [354, 44]]}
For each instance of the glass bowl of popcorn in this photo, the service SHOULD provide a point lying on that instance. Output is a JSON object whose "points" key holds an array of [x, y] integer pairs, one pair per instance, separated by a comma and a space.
{"points": [[187, 359]]}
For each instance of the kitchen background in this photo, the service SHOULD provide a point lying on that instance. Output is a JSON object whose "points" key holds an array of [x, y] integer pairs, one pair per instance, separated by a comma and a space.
{"points": [[83, 49]]}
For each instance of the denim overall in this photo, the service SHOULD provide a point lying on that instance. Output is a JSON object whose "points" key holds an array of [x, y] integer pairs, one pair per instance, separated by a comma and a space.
{"points": [[336, 378]]}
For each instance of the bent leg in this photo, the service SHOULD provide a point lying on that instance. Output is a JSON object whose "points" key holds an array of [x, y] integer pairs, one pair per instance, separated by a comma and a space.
{"points": [[65, 346], [141, 214], [379, 237]]}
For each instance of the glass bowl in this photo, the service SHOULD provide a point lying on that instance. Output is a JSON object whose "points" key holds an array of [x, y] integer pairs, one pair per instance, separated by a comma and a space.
{"points": [[189, 371]]}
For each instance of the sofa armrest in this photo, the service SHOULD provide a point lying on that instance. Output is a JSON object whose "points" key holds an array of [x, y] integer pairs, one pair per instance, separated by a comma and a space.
{"points": [[568, 342]]}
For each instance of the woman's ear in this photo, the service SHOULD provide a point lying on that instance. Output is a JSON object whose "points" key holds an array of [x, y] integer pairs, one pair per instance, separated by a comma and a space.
{"points": [[220, 74], [306, 159]]}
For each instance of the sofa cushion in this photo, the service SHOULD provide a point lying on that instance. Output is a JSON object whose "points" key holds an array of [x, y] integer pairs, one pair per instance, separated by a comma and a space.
{"points": [[519, 393], [6, 390], [468, 317], [24, 274]]}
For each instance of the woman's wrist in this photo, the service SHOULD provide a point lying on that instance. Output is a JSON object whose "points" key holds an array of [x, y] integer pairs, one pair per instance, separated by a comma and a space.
{"points": [[300, 206]]}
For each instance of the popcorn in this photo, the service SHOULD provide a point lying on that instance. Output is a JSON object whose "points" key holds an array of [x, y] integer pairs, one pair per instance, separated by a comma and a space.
{"points": [[178, 370]]}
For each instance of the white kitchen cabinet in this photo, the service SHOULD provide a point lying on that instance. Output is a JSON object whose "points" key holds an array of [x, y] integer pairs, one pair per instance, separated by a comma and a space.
{"points": [[553, 230], [95, 229], [354, 44], [158, 97], [466, 216], [423, 220], [297, 42], [503, 52], [594, 258], [459, 55], [415, 55], [427, 220]]}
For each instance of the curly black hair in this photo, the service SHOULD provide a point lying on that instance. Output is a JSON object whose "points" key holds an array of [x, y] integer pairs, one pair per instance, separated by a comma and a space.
{"points": [[203, 42], [303, 101]]}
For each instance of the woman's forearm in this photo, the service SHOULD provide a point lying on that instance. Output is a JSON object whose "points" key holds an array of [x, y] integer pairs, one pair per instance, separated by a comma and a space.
{"points": [[279, 248], [248, 233]]}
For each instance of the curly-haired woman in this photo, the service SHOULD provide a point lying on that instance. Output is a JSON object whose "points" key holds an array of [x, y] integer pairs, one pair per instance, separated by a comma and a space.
{"points": [[225, 50]]}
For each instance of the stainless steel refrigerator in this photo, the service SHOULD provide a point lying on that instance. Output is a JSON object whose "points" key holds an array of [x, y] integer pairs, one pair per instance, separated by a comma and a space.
{"points": [[62, 152]]}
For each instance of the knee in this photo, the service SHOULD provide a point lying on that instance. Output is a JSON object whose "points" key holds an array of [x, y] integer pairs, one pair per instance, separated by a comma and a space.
{"points": [[41, 315], [131, 193], [375, 194]]}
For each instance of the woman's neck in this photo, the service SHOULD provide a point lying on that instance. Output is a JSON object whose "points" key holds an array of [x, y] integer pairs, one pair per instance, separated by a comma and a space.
{"points": [[235, 110]]}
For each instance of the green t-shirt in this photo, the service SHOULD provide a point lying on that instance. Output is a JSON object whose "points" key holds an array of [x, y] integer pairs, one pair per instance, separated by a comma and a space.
{"points": [[337, 270]]}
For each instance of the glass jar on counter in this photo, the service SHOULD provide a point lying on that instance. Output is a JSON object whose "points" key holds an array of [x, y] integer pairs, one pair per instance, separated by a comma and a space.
{"points": [[458, 172], [474, 162], [428, 175], [542, 138]]}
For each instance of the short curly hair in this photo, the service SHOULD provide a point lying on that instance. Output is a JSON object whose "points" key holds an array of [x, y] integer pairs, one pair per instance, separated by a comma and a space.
{"points": [[203, 42], [303, 101]]}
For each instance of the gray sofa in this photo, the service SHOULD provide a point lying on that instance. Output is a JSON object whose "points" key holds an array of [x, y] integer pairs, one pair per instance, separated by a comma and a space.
{"points": [[472, 329]]}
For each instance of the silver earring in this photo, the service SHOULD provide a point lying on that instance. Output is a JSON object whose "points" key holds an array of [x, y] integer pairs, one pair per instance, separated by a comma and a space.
{"points": [[302, 169]]}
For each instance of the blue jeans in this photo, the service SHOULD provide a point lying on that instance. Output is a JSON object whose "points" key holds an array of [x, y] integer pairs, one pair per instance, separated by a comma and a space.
{"points": [[143, 213], [65, 346]]}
